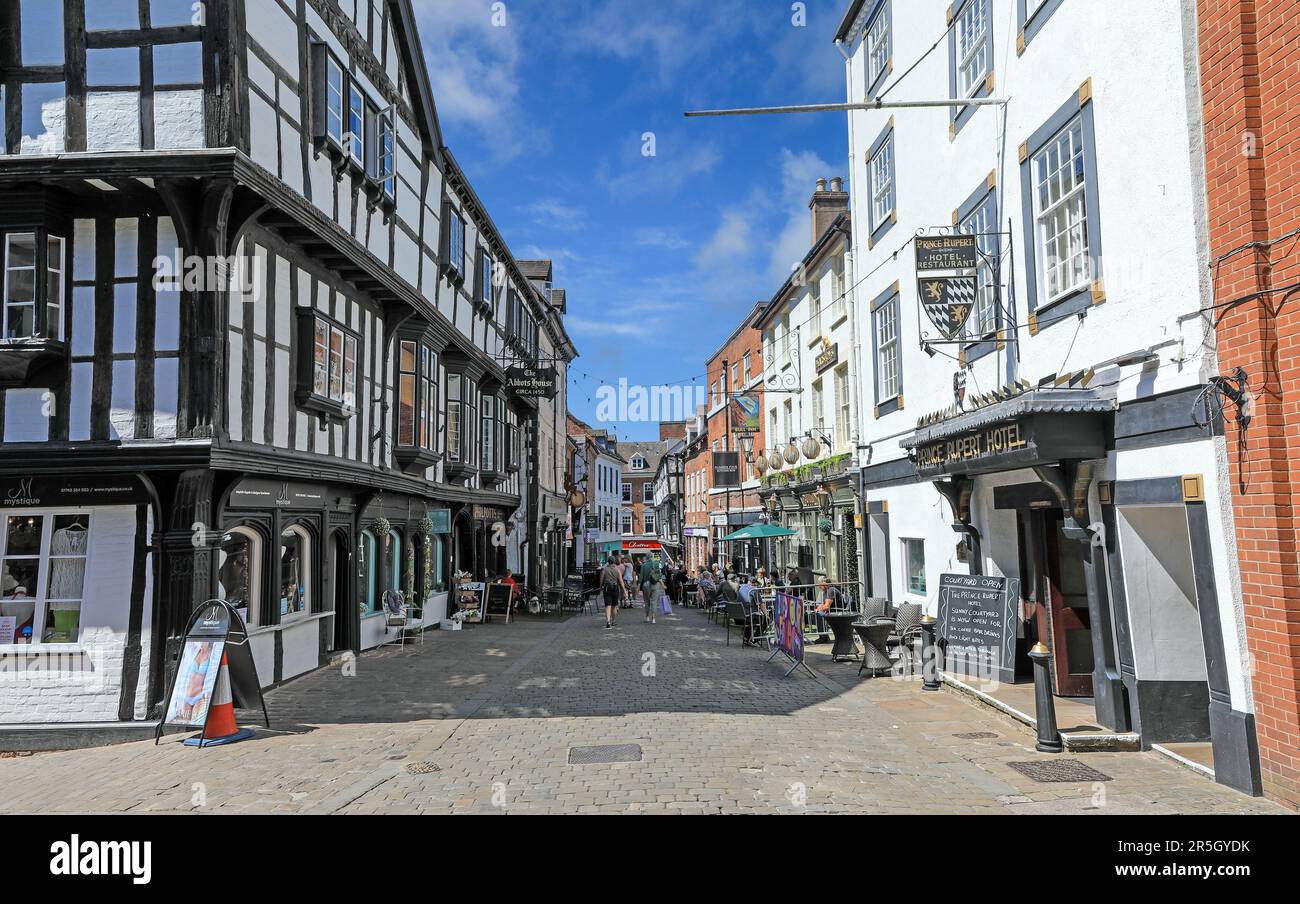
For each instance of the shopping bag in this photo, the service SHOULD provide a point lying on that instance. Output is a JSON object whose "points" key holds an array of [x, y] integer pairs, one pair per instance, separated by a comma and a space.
{"points": [[665, 605]]}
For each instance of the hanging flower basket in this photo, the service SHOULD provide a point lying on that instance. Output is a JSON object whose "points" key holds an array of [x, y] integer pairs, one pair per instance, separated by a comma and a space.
{"points": [[381, 526]]}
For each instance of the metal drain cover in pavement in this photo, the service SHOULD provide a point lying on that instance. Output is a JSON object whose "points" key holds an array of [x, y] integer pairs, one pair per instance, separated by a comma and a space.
{"points": [[606, 753], [422, 768], [1060, 771], [975, 735]]}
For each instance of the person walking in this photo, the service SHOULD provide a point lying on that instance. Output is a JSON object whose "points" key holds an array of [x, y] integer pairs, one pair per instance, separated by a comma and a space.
{"points": [[629, 581], [652, 586], [612, 588]]}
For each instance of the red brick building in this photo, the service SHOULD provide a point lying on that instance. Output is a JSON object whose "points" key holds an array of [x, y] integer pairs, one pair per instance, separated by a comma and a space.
{"points": [[734, 374], [1250, 74]]}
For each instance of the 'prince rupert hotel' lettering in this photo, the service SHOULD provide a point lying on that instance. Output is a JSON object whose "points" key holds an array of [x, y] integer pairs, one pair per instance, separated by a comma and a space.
{"points": [[995, 440]]}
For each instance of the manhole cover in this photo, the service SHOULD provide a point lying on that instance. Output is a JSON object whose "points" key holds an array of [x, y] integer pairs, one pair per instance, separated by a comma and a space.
{"points": [[975, 735], [422, 768], [1060, 771], [605, 753]]}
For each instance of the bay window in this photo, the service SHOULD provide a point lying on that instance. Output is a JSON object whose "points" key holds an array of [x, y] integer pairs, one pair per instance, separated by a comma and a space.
{"points": [[34, 269], [327, 365], [42, 577], [489, 439], [417, 403], [460, 424]]}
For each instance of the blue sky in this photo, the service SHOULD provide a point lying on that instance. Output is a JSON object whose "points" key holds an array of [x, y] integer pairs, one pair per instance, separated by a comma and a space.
{"points": [[661, 255]]}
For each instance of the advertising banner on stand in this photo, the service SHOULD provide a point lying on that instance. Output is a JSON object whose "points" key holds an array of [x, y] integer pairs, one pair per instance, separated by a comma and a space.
{"points": [[788, 624]]}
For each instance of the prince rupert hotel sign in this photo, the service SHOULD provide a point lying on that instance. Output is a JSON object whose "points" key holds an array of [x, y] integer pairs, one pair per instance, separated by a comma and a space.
{"points": [[993, 441]]}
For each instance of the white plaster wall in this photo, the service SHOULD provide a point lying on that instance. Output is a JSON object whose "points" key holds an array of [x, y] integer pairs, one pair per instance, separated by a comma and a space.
{"points": [[1145, 204]]}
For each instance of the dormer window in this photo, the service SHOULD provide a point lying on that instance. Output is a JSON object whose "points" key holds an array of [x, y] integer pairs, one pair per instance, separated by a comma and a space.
{"points": [[638, 463], [327, 356]]}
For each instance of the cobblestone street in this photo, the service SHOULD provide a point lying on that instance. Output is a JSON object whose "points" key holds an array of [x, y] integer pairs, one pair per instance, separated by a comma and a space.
{"points": [[484, 719]]}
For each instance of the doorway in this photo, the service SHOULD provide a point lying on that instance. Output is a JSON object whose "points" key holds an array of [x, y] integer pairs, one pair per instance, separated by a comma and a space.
{"points": [[1065, 621], [338, 577]]}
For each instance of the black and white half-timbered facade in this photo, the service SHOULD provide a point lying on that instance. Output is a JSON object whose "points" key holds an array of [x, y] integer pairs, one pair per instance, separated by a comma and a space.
{"points": [[256, 332]]}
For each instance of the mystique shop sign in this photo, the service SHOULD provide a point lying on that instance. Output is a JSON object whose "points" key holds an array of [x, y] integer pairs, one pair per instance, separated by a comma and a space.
{"points": [[972, 447]]}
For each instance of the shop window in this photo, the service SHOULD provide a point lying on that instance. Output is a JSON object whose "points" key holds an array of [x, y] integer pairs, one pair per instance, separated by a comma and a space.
{"points": [[295, 572], [42, 577], [368, 573], [914, 562], [327, 358], [239, 570], [393, 561], [435, 580], [417, 404]]}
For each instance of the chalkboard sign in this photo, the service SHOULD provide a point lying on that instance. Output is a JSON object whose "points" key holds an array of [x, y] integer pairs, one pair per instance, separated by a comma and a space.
{"points": [[498, 601], [977, 625]]}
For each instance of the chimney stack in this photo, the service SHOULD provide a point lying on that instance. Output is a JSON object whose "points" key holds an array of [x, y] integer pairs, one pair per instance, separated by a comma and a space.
{"points": [[827, 204]]}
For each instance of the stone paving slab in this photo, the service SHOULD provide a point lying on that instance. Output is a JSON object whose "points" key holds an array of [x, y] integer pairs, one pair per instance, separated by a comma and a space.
{"points": [[490, 713]]}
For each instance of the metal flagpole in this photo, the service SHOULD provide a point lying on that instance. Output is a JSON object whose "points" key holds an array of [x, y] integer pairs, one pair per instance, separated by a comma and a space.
{"points": [[866, 105]]}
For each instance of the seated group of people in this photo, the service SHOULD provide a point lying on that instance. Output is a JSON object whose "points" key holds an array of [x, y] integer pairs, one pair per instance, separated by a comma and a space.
{"points": [[717, 587]]}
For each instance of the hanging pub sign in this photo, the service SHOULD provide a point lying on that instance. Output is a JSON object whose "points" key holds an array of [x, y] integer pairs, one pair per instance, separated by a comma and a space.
{"points": [[215, 674], [532, 381], [726, 469], [948, 301], [744, 410], [946, 252], [977, 624], [828, 357]]}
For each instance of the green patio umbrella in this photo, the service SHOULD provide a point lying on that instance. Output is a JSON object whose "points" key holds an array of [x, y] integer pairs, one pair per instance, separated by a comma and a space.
{"points": [[760, 532]]}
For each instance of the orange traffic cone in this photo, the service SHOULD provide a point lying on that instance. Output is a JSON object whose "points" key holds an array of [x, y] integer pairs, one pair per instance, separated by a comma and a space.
{"points": [[221, 727]]}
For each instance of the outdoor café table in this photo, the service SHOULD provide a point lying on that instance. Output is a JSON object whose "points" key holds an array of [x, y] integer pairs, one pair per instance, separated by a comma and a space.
{"points": [[875, 639], [842, 626]]}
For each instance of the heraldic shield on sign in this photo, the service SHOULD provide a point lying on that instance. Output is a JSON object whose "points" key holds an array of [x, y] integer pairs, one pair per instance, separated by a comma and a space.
{"points": [[948, 301]]}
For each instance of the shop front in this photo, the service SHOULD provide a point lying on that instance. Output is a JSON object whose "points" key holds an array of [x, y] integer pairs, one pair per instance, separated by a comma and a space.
{"points": [[819, 501], [76, 598], [1093, 517]]}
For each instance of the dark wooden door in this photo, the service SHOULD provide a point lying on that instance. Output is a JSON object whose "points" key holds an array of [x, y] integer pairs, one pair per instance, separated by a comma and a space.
{"points": [[1066, 613]]}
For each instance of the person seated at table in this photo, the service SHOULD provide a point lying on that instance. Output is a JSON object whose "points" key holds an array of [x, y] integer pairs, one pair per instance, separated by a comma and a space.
{"points": [[728, 591], [746, 590], [761, 579], [828, 596]]}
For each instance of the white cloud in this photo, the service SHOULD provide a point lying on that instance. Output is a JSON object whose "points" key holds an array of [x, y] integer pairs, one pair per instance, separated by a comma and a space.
{"points": [[474, 69], [551, 214]]}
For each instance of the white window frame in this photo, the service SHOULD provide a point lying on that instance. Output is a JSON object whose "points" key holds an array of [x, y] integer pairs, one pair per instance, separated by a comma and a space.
{"points": [[648, 492], [843, 407], [887, 363], [879, 45], [982, 222], [41, 610], [356, 134], [972, 47], [909, 544], [1059, 211], [626, 495], [335, 111], [882, 183]]}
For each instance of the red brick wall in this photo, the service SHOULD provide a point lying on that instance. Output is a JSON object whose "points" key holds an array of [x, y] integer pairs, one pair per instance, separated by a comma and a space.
{"points": [[1250, 72]]}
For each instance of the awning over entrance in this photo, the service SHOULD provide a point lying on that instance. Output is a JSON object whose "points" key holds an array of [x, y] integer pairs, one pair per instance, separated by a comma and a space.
{"points": [[1037, 426]]}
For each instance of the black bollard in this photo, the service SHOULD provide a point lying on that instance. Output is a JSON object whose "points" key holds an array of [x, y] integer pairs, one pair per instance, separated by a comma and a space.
{"points": [[929, 655], [1049, 739]]}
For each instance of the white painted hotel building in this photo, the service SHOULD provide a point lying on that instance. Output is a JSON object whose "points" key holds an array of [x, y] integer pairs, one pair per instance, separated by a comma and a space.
{"points": [[1063, 441]]}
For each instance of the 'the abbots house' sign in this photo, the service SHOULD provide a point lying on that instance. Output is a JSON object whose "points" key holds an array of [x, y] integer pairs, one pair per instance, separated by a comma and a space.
{"points": [[531, 381]]}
